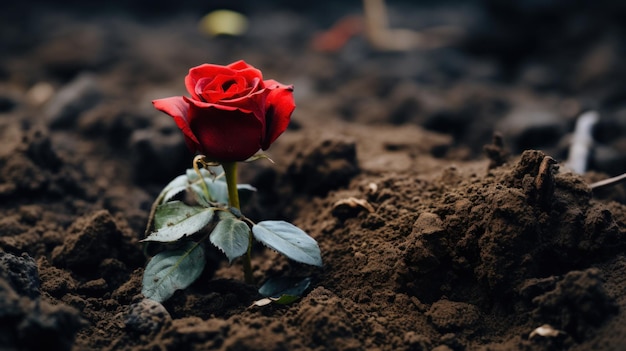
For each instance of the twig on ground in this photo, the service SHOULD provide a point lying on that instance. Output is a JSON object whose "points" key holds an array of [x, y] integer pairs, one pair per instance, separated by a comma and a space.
{"points": [[608, 182]]}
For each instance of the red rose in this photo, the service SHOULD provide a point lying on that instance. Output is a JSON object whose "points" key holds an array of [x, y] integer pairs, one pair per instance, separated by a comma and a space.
{"points": [[232, 112]]}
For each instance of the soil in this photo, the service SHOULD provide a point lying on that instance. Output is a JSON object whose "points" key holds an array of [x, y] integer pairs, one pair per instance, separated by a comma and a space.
{"points": [[436, 233]]}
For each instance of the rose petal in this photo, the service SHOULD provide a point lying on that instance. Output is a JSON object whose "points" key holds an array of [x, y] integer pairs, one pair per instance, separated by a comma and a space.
{"points": [[206, 71], [226, 133], [178, 108], [252, 105], [219, 105], [279, 106], [254, 102], [238, 65], [272, 84], [214, 91], [247, 71]]}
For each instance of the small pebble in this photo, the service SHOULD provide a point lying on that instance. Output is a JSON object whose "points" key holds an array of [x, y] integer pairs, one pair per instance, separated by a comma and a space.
{"points": [[146, 316]]}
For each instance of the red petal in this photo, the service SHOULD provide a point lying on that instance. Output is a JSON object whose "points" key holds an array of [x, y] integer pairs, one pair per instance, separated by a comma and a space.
{"points": [[226, 133], [199, 105], [204, 71], [238, 65], [213, 91], [272, 84], [279, 107], [247, 71], [255, 102], [178, 108]]}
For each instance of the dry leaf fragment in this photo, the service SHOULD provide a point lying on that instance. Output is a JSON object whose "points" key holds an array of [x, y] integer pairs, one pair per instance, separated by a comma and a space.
{"points": [[350, 207], [546, 331], [262, 302]]}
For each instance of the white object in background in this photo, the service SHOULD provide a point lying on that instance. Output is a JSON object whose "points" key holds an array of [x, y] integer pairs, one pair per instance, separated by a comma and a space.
{"points": [[581, 142]]}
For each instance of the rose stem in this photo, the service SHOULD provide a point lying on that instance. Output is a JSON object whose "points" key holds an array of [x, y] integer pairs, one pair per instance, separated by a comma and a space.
{"points": [[230, 171]]}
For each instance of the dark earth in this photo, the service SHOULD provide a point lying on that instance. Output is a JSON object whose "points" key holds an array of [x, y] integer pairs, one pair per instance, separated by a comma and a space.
{"points": [[433, 177]]}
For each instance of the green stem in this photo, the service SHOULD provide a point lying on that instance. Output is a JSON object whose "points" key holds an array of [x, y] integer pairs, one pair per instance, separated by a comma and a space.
{"points": [[230, 171]]}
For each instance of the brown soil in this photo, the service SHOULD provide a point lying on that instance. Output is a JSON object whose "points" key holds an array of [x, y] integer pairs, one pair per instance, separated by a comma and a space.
{"points": [[453, 250]]}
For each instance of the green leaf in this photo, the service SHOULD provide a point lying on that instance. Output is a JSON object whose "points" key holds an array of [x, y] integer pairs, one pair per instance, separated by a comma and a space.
{"points": [[195, 185], [289, 240], [231, 235], [282, 290], [201, 196], [218, 190], [174, 187], [173, 212], [276, 287], [169, 271], [285, 299], [175, 220], [193, 176]]}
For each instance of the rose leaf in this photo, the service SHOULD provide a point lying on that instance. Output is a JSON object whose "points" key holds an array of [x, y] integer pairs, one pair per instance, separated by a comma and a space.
{"points": [[282, 290], [218, 190], [175, 220], [172, 189], [231, 235], [289, 240], [169, 271]]}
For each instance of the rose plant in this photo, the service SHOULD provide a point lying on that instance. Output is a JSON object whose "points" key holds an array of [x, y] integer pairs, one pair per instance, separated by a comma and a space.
{"points": [[230, 115]]}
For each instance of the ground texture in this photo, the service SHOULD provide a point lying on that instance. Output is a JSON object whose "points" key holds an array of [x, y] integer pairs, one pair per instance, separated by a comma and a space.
{"points": [[435, 234]]}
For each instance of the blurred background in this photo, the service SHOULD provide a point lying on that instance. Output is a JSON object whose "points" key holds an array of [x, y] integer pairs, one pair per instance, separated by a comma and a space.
{"points": [[527, 69]]}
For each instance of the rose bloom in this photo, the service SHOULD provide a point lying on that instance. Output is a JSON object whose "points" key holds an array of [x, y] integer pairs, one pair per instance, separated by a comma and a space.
{"points": [[232, 112]]}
